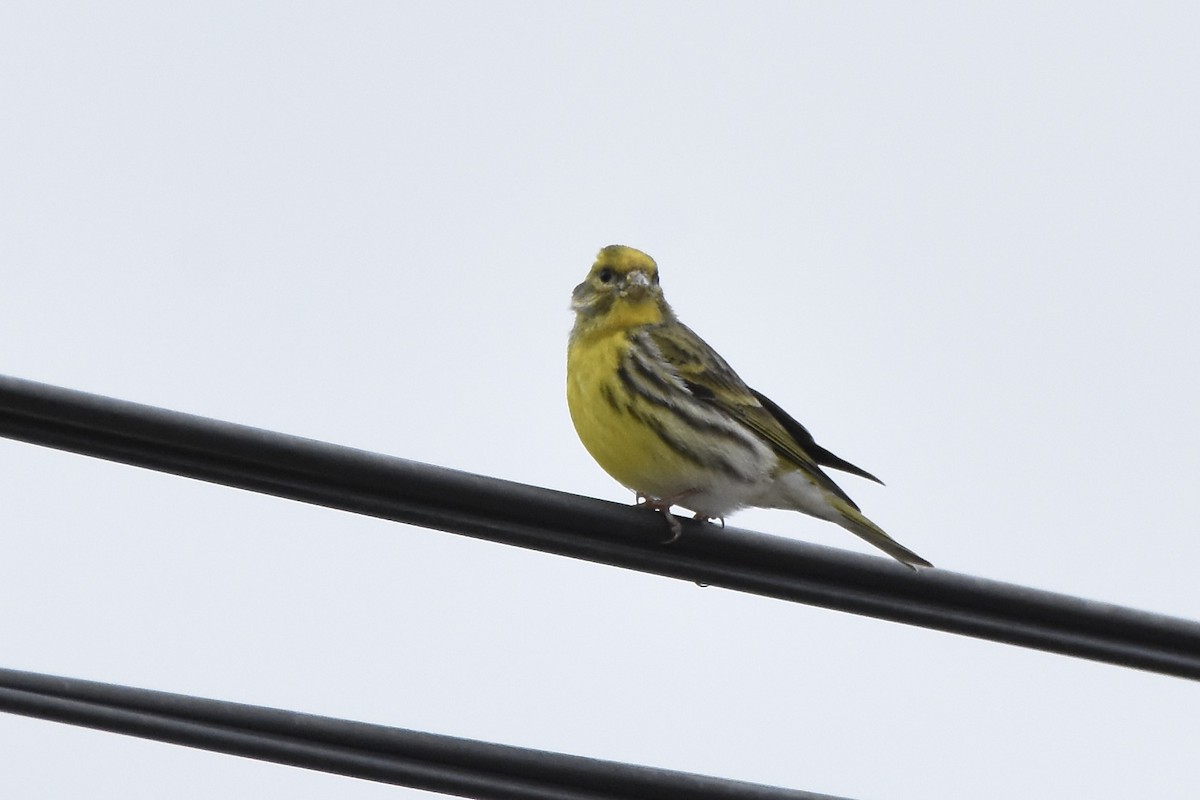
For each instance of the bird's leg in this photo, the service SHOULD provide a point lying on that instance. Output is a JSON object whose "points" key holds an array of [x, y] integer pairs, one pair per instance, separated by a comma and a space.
{"points": [[663, 506]]}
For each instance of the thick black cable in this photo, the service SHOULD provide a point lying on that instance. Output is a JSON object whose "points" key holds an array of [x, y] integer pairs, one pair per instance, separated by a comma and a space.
{"points": [[446, 764], [580, 527]]}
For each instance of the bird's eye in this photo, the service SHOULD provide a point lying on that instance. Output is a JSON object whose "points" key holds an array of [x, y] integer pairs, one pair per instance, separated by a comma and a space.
{"points": [[654, 279], [606, 275]]}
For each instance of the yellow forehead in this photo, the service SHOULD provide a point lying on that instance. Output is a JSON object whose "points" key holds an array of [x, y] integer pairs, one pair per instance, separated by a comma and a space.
{"points": [[623, 260]]}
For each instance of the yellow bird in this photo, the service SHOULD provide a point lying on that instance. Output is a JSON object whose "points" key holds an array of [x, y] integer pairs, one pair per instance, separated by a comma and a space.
{"points": [[665, 416]]}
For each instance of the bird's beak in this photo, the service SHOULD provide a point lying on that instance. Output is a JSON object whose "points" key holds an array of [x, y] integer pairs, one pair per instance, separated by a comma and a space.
{"points": [[636, 284]]}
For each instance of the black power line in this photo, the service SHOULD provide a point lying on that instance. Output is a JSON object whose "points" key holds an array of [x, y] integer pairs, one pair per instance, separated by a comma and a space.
{"points": [[436, 763], [580, 527]]}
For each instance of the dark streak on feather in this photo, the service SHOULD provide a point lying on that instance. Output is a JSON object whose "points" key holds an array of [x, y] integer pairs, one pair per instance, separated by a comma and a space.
{"points": [[610, 397], [682, 403]]}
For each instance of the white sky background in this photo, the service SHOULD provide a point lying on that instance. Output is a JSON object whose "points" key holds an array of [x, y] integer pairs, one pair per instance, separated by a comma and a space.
{"points": [[958, 242]]}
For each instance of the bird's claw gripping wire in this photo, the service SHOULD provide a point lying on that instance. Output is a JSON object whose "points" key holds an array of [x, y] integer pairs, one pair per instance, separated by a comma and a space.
{"points": [[663, 506]]}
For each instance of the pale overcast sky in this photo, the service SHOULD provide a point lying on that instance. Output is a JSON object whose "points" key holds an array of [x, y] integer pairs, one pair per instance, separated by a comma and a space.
{"points": [[958, 241]]}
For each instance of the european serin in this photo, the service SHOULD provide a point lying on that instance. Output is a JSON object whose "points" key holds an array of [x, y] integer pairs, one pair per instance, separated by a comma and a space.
{"points": [[665, 416]]}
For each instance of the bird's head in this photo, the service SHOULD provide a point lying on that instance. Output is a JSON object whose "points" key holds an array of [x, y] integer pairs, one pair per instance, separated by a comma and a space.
{"points": [[622, 287]]}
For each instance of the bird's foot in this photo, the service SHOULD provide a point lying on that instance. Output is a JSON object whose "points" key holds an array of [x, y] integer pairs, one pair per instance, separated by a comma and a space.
{"points": [[663, 506]]}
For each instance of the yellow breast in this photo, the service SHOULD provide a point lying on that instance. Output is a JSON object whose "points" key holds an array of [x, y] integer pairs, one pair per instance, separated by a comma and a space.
{"points": [[624, 446]]}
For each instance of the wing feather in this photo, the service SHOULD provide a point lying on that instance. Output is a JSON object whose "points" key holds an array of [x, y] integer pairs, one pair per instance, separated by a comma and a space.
{"points": [[805, 439], [710, 379]]}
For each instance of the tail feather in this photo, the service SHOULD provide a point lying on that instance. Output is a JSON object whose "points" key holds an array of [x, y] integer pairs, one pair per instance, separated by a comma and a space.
{"points": [[856, 523], [813, 494]]}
